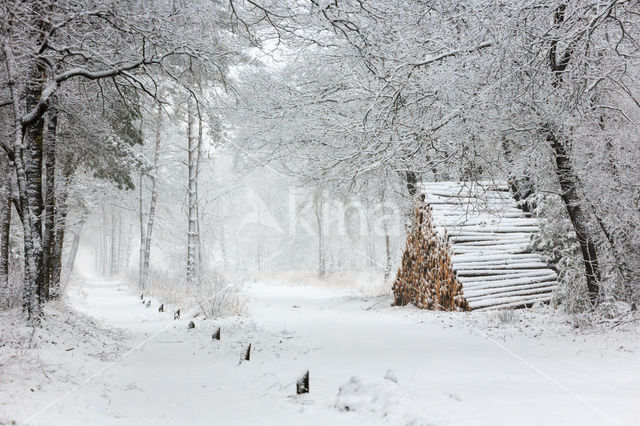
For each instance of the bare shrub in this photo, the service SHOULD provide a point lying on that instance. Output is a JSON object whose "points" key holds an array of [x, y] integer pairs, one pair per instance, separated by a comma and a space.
{"points": [[582, 320], [611, 309], [165, 286], [507, 316], [216, 295]]}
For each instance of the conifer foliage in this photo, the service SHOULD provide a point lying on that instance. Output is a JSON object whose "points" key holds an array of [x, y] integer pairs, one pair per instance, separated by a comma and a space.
{"points": [[426, 278]]}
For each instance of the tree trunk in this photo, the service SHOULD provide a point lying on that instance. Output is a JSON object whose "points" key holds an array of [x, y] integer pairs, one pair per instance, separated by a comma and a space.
{"points": [[113, 257], [60, 226], [192, 231], [567, 177], [74, 247], [119, 250], [198, 159], [141, 282], [154, 196], [5, 228], [127, 246], [49, 231], [321, 243], [27, 194], [568, 184], [387, 244], [33, 167], [412, 183], [522, 186]]}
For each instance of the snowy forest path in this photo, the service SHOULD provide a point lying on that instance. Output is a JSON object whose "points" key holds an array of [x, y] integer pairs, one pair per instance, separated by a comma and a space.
{"points": [[411, 367]]}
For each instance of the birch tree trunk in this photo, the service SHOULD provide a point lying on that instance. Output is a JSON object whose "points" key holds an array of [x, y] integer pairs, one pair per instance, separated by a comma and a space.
{"points": [[154, 196], [322, 259], [198, 159], [192, 231], [387, 245], [119, 251], [371, 248], [141, 282], [113, 257]]}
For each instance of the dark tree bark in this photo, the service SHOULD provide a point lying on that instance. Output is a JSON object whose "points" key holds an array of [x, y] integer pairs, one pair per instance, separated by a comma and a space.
{"points": [[56, 252], [411, 178], [567, 176], [568, 184], [522, 186], [33, 172], [49, 232], [27, 191], [5, 228]]}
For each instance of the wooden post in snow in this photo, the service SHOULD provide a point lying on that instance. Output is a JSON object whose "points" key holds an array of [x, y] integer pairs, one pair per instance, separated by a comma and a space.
{"points": [[302, 385]]}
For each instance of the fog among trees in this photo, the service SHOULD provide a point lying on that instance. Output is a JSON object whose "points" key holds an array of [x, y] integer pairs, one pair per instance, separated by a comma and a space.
{"points": [[186, 149]]}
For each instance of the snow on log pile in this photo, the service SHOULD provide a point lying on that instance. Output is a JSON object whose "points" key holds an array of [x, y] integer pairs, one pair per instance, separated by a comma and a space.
{"points": [[491, 242]]}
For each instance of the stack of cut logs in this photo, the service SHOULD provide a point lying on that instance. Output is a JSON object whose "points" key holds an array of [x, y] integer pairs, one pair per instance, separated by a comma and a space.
{"points": [[426, 278], [491, 242]]}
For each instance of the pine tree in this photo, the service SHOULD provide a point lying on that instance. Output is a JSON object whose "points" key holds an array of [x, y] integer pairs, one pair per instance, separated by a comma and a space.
{"points": [[426, 277]]}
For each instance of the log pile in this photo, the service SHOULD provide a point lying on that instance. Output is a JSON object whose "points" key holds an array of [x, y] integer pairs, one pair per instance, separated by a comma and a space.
{"points": [[426, 278], [490, 239]]}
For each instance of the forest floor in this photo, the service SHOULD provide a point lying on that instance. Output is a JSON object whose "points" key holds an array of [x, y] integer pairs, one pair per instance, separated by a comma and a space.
{"points": [[102, 358]]}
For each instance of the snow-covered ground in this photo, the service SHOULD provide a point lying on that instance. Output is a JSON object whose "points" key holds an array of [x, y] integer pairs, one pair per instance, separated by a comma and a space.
{"points": [[369, 364]]}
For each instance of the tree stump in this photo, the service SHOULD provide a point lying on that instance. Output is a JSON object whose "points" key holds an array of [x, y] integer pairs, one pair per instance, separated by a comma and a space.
{"points": [[216, 335], [191, 325], [176, 315], [247, 354], [161, 308]]}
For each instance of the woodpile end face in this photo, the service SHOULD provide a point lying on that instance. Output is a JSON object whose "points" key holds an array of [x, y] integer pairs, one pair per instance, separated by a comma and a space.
{"points": [[426, 277], [470, 248]]}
